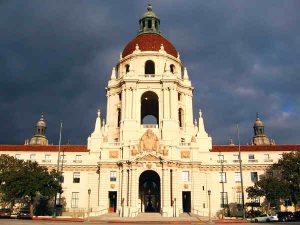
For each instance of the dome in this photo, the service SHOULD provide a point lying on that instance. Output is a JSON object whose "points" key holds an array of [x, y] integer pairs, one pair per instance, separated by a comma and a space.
{"points": [[149, 42]]}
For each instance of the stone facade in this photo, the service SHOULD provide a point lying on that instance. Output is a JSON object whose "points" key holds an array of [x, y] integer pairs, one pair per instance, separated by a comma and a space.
{"points": [[167, 165]]}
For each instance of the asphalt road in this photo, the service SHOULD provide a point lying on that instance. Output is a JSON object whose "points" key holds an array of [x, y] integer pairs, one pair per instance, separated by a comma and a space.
{"points": [[37, 222]]}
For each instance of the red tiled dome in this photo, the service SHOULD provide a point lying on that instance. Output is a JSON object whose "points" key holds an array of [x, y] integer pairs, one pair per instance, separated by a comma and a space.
{"points": [[149, 42]]}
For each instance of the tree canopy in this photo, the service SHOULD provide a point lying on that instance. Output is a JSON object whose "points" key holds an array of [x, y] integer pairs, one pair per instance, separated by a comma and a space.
{"points": [[281, 181], [21, 181]]}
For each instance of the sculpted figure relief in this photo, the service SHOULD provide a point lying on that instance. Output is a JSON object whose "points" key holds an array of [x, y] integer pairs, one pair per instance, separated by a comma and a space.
{"points": [[149, 142]]}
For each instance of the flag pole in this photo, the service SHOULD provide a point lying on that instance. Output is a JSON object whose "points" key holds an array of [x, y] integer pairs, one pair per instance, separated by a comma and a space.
{"points": [[241, 172]]}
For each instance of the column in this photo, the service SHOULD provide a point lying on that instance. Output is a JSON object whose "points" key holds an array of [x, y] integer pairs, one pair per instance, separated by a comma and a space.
{"points": [[134, 195]]}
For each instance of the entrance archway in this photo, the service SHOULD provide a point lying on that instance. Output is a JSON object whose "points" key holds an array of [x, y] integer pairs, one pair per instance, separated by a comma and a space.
{"points": [[149, 191]]}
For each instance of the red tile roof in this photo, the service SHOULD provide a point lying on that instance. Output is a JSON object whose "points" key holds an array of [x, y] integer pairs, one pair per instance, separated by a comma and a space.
{"points": [[44, 148], [255, 148], [149, 42]]}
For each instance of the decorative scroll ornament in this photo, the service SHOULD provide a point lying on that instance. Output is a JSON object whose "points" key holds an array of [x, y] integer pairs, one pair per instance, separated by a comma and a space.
{"points": [[149, 142]]}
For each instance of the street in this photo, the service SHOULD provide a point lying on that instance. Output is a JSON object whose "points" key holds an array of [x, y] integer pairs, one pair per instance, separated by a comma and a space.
{"points": [[36, 222]]}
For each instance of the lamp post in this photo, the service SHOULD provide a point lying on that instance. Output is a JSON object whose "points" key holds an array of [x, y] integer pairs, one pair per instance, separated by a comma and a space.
{"points": [[209, 206], [89, 200]]}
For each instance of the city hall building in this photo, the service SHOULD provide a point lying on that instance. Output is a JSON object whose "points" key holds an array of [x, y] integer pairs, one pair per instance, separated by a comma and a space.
{"points": [[150, 154]]}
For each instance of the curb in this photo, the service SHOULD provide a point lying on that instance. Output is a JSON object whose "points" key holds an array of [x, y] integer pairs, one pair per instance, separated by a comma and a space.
{"points": [[58, 219], [231, 222]]}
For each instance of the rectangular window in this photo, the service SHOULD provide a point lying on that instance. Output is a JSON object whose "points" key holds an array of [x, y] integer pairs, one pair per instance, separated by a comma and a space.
{"points": [[222, 178], [238, 197], [78, 157], [266, 156], [236, 158], [185, 176], [251, 156], [17, 156], [75, 199], [254, 177], [113, 175], [221, 157], [47, 158], [32, 157], [224, 199], [237, 177], [76, 177]]}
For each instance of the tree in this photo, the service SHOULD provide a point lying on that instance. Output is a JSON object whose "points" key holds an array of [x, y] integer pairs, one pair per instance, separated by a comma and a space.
{"points": [[24, 180], [288, 169], [270, 187]]}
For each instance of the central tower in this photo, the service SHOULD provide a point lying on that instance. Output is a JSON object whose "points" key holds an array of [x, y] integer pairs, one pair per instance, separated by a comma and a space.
{"points": [[149, 88], [149, 140]]}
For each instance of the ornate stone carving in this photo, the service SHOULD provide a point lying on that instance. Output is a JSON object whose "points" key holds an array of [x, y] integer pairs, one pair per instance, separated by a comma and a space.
{"points": [[149, 142], [134, 152], [112, 186], [185, 154], [186, 186], [149, 158], [149, 165], [113, 154], [165, 151], [193, 139]]}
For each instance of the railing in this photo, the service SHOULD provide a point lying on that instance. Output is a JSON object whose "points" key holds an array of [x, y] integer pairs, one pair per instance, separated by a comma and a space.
{"points": [[77, 161], [114, 143], [46, 161], [252, 160], [268, 160], [198, 213], [222, 161], [184, 144], [236, 160], [149, 125]]}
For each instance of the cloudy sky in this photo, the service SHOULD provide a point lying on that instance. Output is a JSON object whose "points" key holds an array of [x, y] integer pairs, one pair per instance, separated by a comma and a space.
{"points": [[242, 57]]}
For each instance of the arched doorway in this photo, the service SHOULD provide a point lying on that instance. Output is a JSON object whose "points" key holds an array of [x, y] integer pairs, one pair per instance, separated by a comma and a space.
{"points": [[149, 108], [149, 191]]}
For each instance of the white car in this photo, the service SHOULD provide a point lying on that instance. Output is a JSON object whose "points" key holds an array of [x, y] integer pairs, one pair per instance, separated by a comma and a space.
{"points": [[266, 218]]}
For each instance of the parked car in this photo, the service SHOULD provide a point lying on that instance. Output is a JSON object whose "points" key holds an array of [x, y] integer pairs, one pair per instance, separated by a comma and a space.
{"points": [[5, 213], [285, 216], [266, 218], [24, 214], [297, 216]]}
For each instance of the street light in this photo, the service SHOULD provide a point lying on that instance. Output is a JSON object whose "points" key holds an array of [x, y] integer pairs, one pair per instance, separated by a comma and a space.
{"points": [[209, 205], [89, 200]]}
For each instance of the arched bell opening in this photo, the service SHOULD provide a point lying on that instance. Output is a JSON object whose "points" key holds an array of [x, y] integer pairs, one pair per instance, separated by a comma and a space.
{"points": [[149, 108], [149, 191], [181, 117]]}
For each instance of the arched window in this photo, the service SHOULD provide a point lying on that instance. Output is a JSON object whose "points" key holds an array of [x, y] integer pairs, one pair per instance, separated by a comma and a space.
{"points": [[172, 68], [127, 68], [149, 67], [181, 117]]}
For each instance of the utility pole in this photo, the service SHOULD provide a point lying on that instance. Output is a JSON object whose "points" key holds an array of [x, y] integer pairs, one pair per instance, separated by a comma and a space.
{"points": [[241, 172], [58, 168]]}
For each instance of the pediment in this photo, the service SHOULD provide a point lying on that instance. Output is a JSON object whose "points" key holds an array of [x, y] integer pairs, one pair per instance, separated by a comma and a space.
{"points": [[149, 157]]}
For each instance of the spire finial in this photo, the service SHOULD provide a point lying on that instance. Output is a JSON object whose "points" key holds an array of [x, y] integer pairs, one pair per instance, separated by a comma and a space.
{"points": [[98, 113], [42, 116], [149, 7], [257, 116]]}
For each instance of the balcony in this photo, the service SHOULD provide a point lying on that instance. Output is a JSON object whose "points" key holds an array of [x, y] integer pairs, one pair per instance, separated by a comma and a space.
{"points": [[147, 126], [46, 161], [268, 160], [77, 161], [252, 160]]}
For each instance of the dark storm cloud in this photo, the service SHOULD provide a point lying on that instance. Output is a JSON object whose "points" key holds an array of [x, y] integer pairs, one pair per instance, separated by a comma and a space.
{"points": [[57, 56]]}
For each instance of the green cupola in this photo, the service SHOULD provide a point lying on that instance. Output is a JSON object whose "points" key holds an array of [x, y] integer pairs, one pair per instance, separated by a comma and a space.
{"points": [[150, 22]]}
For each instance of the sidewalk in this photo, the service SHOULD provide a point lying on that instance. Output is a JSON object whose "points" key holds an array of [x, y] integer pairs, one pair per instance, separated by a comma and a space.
{"points": [[148, 219]]}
